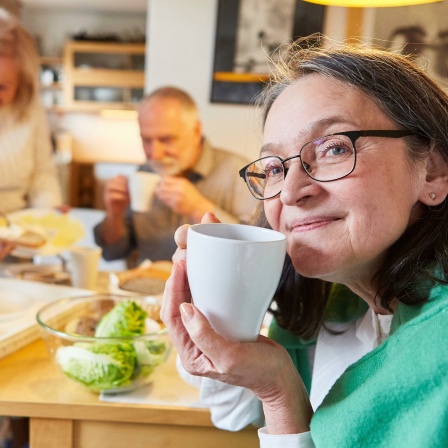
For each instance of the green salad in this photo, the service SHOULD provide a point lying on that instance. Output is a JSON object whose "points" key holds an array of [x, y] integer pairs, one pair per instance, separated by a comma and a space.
{"points": [[109, 365]]}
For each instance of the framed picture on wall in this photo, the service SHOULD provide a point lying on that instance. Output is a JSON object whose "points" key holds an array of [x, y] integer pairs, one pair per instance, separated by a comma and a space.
{"points": [[419, 31], [247, 32]]}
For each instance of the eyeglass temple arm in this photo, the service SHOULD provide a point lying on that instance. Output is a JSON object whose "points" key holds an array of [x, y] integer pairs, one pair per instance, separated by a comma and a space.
{"points": [[259, 175], [244, 173]]}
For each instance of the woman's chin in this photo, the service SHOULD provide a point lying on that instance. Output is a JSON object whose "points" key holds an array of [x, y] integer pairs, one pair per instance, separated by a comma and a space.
{"points": [[310, 268]]}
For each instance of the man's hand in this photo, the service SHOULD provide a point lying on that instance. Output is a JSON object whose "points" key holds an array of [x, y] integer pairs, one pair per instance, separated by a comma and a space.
{"points": [[116, 196], [116, 201], [183, 197]]}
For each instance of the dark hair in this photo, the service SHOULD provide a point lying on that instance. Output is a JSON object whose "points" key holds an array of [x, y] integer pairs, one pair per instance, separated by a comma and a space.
{"points": [[415, 102]]}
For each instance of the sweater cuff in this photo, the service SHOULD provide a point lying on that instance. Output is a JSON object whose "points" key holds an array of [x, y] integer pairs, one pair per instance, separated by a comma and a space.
{"points": [[267, 440]]}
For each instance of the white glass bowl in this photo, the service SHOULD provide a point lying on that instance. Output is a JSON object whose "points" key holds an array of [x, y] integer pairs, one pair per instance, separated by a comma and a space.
{"points": [[103, 364]]}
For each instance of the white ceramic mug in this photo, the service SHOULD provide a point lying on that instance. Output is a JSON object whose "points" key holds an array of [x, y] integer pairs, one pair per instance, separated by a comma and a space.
{"points": [[84, 263], [142, 186], [233, 271]]}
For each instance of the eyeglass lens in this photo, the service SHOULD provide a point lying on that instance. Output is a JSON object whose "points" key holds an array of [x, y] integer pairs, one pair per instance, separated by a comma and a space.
{"points": [[324, 159]]}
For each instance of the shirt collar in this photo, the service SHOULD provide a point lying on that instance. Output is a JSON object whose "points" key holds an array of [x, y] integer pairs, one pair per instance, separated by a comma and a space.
{"points": [[204, 165], [373, 329]]}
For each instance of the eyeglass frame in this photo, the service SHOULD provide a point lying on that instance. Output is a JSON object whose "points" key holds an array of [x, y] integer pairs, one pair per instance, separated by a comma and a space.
{"points": [[352, 135]]}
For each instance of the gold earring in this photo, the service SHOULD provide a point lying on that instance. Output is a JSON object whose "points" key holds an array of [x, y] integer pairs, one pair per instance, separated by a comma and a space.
{"points": [[432, 195]]}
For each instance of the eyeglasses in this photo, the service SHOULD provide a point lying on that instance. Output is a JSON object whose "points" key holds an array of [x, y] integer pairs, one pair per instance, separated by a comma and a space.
{"points": [[324, 159]]}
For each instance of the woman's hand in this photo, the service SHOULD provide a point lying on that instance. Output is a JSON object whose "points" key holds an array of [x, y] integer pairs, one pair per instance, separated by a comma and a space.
{"points": [[180, 236], [263, 366], [64, 208], [6, 247]]}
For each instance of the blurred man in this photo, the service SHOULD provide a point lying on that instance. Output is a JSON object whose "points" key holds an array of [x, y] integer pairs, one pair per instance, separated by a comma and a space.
{"points": [[195, 179]]}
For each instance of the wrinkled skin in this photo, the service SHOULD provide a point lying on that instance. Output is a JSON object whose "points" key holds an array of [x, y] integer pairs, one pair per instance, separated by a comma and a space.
{"points": [[204, 352], [337, 231]]}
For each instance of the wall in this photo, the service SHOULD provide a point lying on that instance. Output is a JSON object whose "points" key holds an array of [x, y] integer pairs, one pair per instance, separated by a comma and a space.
{"points": [[56, 25], [180, 36], [425, 24], [180, 52], [94, 138]]}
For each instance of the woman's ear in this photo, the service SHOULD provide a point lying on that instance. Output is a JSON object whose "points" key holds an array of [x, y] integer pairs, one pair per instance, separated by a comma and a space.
{"points": [[435, 188]]}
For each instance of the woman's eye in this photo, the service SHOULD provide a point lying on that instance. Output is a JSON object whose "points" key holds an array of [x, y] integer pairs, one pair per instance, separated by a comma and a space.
{"points": [[334, 149], [273, 170], [337, 150]]}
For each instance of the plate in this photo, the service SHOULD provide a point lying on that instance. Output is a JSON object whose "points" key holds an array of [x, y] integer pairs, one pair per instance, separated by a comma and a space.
{"points": [[18, 328], [62, 230], [148, 279], [39, 273], [13, 304]]}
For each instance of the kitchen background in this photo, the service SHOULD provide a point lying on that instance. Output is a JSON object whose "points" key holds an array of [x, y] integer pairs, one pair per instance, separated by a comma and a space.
{"points": [[180, 42]]}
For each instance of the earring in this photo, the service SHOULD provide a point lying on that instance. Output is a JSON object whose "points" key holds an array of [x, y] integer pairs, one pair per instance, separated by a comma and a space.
{"points": [[432, 195]]}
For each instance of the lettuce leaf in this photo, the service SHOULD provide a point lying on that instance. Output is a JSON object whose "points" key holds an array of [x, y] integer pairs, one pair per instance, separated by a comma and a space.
{"points": [[150, 354], [98, 366], [125, 319]]}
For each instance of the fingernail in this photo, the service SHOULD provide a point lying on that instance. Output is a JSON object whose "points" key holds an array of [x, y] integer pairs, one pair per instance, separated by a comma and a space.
{"points": [[186, 311]]}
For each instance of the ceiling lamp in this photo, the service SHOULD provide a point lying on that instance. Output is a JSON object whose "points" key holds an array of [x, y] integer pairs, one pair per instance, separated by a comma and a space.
{"points": [[371, 3]]}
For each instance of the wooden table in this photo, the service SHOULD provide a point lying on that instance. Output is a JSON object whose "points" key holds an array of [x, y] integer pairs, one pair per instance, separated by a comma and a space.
{"points": [[64, 415]]}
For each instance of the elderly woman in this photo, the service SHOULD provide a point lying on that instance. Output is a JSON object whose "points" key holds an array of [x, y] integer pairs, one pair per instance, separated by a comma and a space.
{"points": [[354, 171], [28, 175]]}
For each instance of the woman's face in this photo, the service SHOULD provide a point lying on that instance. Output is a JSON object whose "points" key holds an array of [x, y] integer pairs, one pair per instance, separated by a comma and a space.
{"points": [[339, 231], [9, 80]]}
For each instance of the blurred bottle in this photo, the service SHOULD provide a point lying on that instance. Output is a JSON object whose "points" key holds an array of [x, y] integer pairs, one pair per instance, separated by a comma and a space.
{"points": [[63, 146]]}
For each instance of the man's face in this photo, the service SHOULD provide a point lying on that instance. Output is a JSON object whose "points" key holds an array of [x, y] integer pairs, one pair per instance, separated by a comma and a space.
{"points": [[171, 136], [9, 80]]}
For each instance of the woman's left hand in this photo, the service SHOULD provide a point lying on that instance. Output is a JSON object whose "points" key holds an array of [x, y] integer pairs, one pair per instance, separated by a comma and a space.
{"points": [[6, 247], [263, 366]]}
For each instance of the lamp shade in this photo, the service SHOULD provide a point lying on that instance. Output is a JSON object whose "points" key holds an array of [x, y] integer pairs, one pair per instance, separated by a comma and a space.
{"points": [[371, 3]]}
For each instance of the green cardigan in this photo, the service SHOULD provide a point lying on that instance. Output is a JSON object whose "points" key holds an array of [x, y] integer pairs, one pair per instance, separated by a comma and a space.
{"points": [[343, 306], [397, 395]]}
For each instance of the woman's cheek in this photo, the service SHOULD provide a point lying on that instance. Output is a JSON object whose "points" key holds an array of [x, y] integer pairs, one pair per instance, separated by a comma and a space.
{"points": [[272, 210]]}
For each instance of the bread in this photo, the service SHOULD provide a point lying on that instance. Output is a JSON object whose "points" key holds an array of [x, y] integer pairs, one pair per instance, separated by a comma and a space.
{"points": [[30, 239], [22, 236], [149, 280]]}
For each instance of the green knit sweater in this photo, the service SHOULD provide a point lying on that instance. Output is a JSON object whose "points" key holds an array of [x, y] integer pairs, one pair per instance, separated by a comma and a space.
{"points": [[397, 395]]}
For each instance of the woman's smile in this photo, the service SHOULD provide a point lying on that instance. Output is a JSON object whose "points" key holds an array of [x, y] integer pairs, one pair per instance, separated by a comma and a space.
{"points": [[311, 223], [341, 229]]}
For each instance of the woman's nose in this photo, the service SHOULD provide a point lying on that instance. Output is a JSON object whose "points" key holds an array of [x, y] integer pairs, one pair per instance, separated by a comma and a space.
{"points": [[296, 184]]}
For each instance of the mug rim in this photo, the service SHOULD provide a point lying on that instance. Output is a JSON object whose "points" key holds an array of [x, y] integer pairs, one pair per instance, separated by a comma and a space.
{"points": [[277, 236]]}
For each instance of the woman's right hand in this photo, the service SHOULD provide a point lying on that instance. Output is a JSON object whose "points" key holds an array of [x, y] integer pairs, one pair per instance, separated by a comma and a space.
{"points": [[181, 236], [6, 247], [264, 366]]}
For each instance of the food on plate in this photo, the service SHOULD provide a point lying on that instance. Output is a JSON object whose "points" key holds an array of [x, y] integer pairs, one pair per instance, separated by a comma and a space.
{"points": [[62, 229], [45, 276], [84, 325], [148, 280], [23, 236], [111, 363]]}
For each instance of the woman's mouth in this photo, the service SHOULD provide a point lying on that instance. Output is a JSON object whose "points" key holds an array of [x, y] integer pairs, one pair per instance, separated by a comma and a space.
{"points": [[306, 225]]}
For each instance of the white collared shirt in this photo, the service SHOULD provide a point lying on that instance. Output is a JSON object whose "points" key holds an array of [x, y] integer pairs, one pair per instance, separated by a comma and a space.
{"points": [[232, 408]]}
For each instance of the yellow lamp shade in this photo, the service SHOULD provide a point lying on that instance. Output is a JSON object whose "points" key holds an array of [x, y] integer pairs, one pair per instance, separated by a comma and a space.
{"points": [[371, 3]]}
